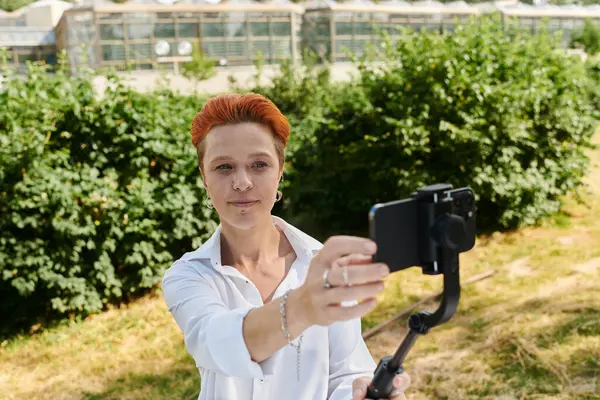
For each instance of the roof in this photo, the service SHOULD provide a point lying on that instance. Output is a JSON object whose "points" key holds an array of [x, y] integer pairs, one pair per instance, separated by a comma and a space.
{"points": [[392, 6], [149, 6], [548, 10], [41, 3], [508, 7]]}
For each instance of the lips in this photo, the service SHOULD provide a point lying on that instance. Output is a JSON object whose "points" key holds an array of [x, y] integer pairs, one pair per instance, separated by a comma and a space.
{"points": [[244, 204]]}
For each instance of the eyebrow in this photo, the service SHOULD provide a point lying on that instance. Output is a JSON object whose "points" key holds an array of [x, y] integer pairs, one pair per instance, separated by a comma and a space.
{"points": [[253, 155]]}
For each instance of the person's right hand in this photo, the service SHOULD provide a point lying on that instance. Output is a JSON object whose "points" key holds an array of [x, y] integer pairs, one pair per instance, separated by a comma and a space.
{"points": [[321, 305]]}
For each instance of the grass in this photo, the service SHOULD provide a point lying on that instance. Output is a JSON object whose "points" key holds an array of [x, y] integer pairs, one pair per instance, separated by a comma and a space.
{"points": [[530, 331]]}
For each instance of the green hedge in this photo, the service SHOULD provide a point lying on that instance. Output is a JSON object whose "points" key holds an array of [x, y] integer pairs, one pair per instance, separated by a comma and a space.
{"points": [[592, 65], [587, 38], [98, 194], [504, 112]]}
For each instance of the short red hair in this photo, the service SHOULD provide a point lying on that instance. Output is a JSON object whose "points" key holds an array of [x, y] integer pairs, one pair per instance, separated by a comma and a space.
{"points": [[234, 108]]}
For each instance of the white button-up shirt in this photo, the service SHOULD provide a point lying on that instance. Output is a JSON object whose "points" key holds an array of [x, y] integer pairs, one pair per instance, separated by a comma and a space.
{"points": [[209, 302]]}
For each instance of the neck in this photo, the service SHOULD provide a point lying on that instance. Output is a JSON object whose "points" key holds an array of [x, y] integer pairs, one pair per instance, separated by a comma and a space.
{"points": [[248, 249]]}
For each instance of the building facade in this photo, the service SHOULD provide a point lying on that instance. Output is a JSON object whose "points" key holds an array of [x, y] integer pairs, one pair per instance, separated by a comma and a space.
{"points": [[151, 36], [162, 34]]}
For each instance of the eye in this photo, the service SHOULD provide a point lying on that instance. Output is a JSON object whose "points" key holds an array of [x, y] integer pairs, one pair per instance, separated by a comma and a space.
{"points": [[223, 167], [260, 164]]}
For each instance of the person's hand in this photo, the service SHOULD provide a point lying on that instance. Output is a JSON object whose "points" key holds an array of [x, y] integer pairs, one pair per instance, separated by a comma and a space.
{"points": [[345, 265], [401, 383]]}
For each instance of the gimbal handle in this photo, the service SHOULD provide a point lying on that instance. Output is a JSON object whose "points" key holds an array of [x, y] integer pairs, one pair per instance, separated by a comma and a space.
{"points": [[419, 323]]}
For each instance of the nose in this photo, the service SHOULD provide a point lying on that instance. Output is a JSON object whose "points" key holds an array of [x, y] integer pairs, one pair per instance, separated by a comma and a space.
{"points": [[241, 181]]}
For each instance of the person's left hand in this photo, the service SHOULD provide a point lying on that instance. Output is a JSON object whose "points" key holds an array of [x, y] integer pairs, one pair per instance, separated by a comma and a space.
{"points": [[401, 383]]}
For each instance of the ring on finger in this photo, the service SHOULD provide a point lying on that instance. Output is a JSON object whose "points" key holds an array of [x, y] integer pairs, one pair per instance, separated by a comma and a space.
{"points": [[345, 275], [326, 283]]}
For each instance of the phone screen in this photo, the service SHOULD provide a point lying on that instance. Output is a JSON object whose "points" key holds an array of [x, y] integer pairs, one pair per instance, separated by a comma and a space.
{"points": [[393, 226]]}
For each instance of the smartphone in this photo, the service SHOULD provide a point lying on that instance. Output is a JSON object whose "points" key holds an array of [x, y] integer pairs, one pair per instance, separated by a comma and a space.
{"points": [[402, 228]]}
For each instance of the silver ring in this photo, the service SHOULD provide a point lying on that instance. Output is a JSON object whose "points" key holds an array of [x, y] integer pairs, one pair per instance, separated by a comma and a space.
{"points": [[326, 283], [345, 275]]}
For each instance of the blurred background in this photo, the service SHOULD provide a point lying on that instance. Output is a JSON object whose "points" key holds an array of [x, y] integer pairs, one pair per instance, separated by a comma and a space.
{"points": [[100, 191]]}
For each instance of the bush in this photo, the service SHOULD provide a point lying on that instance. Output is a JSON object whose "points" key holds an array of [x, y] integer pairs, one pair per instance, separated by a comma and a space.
{"points": [[587, 38], [97, 195], [12, 5], [592, 66], [199, 68], [506, 113]]}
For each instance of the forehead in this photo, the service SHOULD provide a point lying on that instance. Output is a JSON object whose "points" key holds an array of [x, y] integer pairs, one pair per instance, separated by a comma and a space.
{"points": [[239, 140]]}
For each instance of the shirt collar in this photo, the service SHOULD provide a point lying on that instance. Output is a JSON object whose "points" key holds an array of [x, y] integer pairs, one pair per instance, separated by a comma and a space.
{"points": [[304, 245]]}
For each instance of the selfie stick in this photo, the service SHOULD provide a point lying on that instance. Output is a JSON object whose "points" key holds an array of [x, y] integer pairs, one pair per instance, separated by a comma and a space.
{"points": [[445, 234]]}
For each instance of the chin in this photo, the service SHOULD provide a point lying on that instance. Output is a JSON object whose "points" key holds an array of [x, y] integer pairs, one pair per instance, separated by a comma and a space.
{"points": [[248, 220]]}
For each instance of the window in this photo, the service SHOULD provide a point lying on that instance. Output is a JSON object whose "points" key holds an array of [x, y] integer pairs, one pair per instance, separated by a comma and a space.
{"points": [[186, 15], [259, 28], [214, 49], [141, 51], [139, 31], [111, 32], [140, 16], [188, 30], [363, 27], [264, 46], [49, 58], [164, 30], [237, 48], [111, 16], [281, 28], [213, 29], [23, 58], [113, 52], [282, 47], [236, 29], [343, 28]]}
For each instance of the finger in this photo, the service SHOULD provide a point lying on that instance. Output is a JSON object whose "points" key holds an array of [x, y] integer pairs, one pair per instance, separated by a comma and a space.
{"points": [[340, 246], [359, 388], [353, 259], [336, 295], [338, 313], [358, 274], [397, 395], [401, 382]]}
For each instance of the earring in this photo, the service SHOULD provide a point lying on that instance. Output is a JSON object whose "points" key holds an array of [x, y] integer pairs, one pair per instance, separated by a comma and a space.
{"points": [[208, 203], [278, 196]]}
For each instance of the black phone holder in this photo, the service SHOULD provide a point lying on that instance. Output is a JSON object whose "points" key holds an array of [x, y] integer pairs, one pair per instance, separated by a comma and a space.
{"points": [[446, 228]]}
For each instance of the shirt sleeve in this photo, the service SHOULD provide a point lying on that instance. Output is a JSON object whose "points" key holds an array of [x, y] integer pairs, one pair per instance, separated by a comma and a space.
{"points": [[212, 332], [349, 358]]}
